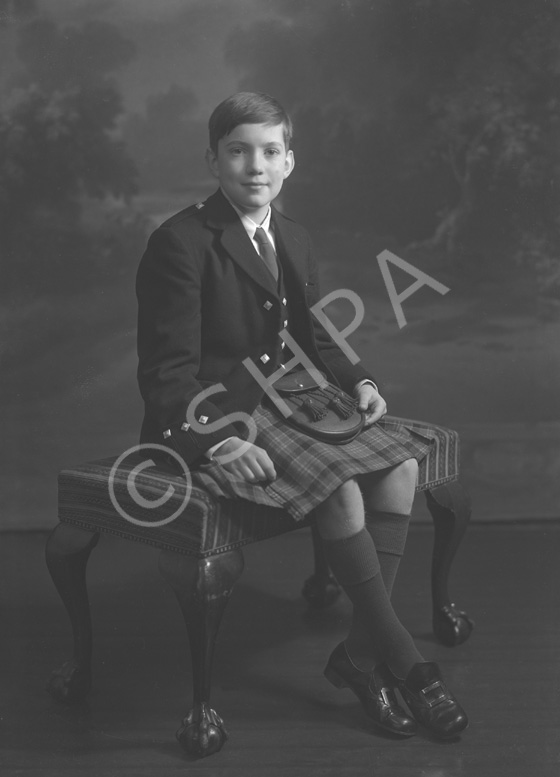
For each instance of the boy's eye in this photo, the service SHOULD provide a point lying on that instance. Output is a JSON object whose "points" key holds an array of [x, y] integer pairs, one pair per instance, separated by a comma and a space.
{"points": [[272, 151], [236, 151]]}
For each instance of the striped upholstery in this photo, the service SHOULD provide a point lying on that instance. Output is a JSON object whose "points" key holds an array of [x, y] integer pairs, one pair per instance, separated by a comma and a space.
{"points": [[119, 500], [441, 465]]}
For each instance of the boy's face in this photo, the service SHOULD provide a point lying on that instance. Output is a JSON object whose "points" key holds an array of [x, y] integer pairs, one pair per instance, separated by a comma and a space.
{"points": [[251, 165]]}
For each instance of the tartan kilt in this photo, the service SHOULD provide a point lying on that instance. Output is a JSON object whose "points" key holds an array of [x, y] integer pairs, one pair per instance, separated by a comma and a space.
{"points": [[308, 470]]}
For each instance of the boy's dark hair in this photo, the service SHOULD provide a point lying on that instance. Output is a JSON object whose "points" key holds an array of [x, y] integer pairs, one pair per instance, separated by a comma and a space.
{"points": [[247, 108]]}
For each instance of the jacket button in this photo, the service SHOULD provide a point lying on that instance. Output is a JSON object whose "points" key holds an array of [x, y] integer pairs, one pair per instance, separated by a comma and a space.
{"points": [[167, 434], [284, 301], [265, 358], [185, 427], [203, 419], [267, 305], [286, 322]]}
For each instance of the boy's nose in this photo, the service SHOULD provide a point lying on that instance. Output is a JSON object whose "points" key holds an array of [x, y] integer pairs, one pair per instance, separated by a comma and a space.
{"points": [[254, 163]]}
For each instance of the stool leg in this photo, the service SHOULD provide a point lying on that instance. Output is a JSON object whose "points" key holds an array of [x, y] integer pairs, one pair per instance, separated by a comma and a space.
{"points": [[203, 588], [321, 589], [450, 508], [67, 553]]}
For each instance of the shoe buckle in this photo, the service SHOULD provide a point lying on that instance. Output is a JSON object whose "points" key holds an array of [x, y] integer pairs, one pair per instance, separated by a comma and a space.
{"points": [[434, 694]]}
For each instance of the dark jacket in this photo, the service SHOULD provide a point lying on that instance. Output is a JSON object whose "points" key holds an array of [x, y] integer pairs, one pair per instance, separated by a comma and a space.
{"points": [[206, 302]]}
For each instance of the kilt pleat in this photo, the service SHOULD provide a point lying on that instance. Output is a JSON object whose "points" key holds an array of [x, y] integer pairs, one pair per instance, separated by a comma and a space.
{"points": [[308, 470]]}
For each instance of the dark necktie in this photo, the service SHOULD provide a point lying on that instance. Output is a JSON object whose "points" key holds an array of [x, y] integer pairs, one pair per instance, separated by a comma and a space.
{"points": [[267, 252]]}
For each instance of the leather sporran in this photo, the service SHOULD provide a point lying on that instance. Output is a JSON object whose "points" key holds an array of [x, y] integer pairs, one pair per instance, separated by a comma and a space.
{"points": [[321, 410]]}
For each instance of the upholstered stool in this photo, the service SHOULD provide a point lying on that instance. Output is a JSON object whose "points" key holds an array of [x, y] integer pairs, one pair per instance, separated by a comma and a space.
{"points": [[201, 538]]}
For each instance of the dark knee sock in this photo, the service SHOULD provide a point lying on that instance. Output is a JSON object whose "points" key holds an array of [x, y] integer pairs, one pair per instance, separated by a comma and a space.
{"points": [[388, 532], [376, 635]]}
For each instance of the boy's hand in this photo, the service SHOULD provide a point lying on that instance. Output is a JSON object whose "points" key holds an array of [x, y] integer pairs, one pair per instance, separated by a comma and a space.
{"points": [[252, 464], [370, 402]]}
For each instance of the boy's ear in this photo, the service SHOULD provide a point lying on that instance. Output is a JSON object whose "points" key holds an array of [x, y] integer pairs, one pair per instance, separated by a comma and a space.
{"points": [[212, 162], [289, 163]]}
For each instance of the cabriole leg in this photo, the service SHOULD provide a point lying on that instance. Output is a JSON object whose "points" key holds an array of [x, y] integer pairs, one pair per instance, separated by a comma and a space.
{"points": [[203, 588], [67, 553], [450, 508]]}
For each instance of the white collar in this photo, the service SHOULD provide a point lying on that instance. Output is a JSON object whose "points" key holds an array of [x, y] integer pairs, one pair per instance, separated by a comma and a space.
{"points": [[250, 225]]}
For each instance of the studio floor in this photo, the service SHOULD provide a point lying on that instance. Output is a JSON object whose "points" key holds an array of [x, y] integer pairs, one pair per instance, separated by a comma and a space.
{"points": [[283, 717]]}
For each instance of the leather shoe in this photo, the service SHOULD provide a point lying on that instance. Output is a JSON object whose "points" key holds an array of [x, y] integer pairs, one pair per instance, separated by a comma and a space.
{"points": [[431, 702], [374, 689]]}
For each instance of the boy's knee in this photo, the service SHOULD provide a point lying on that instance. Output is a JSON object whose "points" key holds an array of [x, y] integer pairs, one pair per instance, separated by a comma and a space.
{"points": [[342, 513], [407, 470], [346, 499]]}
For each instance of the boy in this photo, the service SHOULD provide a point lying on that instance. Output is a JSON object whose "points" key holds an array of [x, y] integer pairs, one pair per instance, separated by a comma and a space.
{"points": [[217, 284]]}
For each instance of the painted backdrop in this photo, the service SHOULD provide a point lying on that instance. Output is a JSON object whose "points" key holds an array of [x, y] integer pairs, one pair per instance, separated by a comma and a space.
{"points": [[424, 128]]}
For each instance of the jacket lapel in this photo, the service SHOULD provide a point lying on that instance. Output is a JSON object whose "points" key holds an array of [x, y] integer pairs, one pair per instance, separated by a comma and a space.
{"points": [[293, 254], [235, 240]]}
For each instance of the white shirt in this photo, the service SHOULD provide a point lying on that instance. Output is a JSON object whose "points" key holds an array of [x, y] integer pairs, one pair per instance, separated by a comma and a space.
{"points": [[251, 226]]}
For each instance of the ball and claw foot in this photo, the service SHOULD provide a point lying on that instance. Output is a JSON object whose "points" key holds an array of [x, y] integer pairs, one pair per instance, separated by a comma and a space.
{"points": [[202, 732], [452, 626], [321, 591], [70, 683]]}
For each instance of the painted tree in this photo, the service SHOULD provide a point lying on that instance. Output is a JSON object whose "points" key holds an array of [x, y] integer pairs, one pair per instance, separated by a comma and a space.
{"points": [[59, 146], [58, 140], [432, 120], [495, 126]]}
